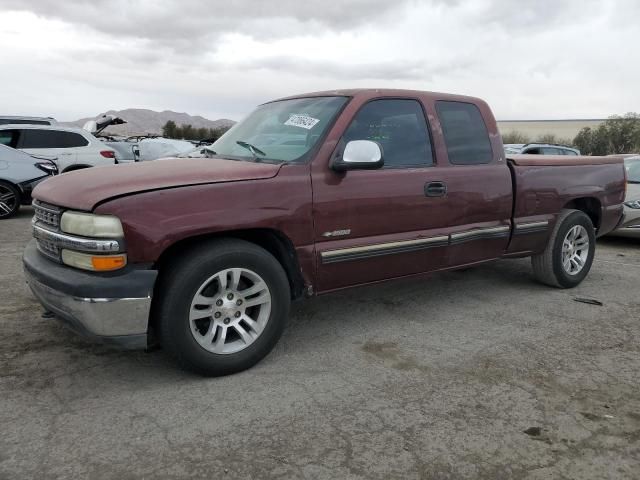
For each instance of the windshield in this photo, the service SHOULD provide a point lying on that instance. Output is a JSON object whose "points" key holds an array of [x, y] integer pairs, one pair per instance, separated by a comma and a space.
{"points": [[632, 165], [281, 131]]}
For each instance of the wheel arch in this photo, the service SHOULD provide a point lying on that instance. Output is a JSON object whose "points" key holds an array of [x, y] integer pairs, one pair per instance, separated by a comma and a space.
{"points": [[589, 205], [75, 167], [273, 241]]}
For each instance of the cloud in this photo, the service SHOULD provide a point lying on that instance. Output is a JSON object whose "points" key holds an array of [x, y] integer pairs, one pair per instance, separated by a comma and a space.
{"points": [[528, 59], [187, 25]]}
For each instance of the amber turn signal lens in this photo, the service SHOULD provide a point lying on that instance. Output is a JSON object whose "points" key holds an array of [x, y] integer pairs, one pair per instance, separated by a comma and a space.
{"points": [[111, 262], [96, 263]]}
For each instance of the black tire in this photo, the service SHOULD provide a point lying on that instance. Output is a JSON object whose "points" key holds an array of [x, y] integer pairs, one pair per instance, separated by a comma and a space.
{"points": [[548, 267], [9, 200], [180, 282]]}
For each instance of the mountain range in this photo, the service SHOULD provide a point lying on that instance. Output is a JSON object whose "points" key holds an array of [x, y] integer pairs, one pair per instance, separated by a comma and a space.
{"points": [[141, 121]]}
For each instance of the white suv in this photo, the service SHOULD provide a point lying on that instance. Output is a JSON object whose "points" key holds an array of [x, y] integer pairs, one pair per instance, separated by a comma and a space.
{"points": [[70, 148]]}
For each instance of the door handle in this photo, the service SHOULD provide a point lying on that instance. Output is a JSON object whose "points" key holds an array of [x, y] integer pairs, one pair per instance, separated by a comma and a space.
{"points": [[435, 189]]}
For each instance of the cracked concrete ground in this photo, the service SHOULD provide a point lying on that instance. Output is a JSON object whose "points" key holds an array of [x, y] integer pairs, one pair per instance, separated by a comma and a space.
{"points": [[437, 378]]}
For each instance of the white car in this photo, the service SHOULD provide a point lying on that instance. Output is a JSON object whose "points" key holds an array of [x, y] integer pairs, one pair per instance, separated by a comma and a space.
{"points": [[630, 225], [540, 149], [68, 147]]}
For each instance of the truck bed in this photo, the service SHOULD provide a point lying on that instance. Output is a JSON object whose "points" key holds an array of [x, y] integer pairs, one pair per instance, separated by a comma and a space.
{"points": [[566, 160], [545, 184]]}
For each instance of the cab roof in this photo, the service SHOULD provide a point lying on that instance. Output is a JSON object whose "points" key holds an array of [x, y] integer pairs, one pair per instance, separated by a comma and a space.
{"points": [[385, 92]]}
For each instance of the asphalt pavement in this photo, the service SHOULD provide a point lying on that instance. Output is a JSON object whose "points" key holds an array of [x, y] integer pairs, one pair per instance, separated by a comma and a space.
{"points": [[479, 374]]}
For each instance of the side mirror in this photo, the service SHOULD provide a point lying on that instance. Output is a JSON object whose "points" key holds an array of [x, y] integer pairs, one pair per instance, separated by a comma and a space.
{"points": [[359, 155]]}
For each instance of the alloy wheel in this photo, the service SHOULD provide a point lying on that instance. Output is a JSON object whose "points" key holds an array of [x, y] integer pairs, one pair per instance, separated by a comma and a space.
{"points": [[230, 310], [575, 249], [8, 201]]}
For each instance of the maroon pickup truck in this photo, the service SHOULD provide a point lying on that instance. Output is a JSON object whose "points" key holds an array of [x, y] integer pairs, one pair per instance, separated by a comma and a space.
{"points": [[308, 195]]}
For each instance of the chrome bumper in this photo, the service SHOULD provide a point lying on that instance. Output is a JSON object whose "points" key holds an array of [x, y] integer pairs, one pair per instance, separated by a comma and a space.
{"points": [[94, 307]]}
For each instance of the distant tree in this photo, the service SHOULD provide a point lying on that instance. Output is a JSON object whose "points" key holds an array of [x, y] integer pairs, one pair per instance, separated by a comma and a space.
{"points": [[590, 142], [552, 138], [188, 132], [201, 133], [515, 137], [216, 133], [169, 129], [617, 134]]}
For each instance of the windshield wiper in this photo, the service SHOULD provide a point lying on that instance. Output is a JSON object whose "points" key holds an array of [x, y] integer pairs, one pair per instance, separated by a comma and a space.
{"points": [[252, 148]]}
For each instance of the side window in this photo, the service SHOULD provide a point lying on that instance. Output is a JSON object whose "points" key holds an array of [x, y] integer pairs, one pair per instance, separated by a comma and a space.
{"points": [[399, 126], [70, 139], [34, 138], [9, 138], [465, 133], [551, 151]]}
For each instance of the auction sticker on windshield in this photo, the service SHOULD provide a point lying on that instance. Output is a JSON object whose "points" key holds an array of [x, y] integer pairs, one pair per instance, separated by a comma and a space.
{"points": [[302, 121]]}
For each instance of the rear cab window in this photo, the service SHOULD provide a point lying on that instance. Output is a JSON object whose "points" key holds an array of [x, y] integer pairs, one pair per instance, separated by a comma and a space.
{"points": [[35, 138], [399, 126], [465, 133]]}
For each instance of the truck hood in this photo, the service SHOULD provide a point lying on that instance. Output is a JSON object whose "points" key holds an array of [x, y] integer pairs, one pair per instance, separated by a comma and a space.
{"points": [[84, 189]]}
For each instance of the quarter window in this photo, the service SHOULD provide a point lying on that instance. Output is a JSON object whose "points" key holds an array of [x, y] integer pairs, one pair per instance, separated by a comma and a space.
{"points": [[552, 151], [9, 138], [465, 133], [399, 127], [34, 138]]}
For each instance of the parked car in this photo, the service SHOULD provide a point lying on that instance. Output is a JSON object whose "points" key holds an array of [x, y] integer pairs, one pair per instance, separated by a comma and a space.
{"points": [[19, 173], [630, 226], [126, 152], [203, 151], [160, 147], [95, 127], [18, 120], [387, 184], [540, 149], [72, 148]]}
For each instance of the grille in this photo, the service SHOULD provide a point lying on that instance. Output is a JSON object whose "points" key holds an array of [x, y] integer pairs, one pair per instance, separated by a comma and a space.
{"points": [[47, 214], [48, 248]]}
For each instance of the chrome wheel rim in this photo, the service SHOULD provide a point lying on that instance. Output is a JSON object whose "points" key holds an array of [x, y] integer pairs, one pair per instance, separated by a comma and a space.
{"points": [[230, 311], [7, 201], [575, 249]]}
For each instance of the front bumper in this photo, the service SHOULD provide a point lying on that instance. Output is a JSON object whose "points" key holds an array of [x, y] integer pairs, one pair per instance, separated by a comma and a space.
{"points": [[106, 308]]}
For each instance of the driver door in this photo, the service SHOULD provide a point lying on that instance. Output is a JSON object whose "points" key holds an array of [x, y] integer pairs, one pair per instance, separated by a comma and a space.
{"points": [[372, 225]]}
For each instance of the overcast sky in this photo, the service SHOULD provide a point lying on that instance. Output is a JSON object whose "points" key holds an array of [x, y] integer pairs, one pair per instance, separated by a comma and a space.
{"points": [[539, 59]]}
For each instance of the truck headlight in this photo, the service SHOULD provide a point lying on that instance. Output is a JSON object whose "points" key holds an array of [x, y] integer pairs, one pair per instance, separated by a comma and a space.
{"points": [[633, 204], [90, 225]]}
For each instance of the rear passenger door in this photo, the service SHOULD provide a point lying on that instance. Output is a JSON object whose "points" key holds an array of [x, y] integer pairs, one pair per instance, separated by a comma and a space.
{"points": [[478, 205], [56, 144]]}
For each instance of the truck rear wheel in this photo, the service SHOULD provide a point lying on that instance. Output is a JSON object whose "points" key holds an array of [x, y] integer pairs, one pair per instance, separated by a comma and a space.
{"points": [[222, 306], [567, 259]]}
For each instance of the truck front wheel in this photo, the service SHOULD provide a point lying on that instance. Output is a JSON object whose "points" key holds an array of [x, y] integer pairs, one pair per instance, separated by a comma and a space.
{"points": [[567, 259], [222, 306]]}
